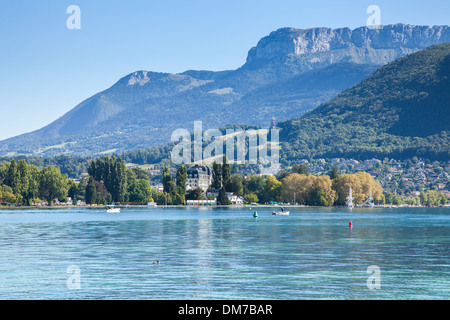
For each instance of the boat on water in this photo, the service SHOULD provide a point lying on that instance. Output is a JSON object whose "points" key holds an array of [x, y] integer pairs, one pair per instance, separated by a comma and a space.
{"points": [[112, 209], [280, 213]]}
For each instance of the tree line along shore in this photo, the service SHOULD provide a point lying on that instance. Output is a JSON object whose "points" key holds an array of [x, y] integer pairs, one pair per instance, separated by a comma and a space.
{"points": [[110, 181]]}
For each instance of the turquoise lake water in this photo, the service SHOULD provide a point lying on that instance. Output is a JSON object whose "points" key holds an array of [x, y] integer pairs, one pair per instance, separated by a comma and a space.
{"points": [[225, 253]]}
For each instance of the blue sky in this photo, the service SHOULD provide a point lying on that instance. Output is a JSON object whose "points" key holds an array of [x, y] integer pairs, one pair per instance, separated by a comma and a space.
{"points": [[47, 69]]}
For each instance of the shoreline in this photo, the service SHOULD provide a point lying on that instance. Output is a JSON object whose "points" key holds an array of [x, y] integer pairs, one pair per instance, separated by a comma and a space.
{"points": [[59, 207]]}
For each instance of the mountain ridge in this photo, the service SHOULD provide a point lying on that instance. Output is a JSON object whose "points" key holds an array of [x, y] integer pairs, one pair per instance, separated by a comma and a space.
{"points": [[142, 108]]}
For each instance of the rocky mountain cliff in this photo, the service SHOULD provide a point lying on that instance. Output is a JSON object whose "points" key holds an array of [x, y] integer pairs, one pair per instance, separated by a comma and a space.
{"points": [[325, 45], [288, 73]]}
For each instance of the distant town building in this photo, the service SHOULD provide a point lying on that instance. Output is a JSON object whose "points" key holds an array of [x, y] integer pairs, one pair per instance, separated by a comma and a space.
{"points": [[234, 199], [159, 187], [199, 177]]}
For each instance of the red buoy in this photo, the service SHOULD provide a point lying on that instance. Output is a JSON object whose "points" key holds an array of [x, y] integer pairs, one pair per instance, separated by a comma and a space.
{"points": [[350, 225]]}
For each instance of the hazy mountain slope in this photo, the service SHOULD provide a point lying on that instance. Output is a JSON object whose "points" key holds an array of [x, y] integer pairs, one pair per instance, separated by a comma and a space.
{"points": [[401, 110], [288, 73]]}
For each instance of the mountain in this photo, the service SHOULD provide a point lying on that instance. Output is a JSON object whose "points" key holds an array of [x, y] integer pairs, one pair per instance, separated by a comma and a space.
{"points": [[288, 73], [401, 110]]}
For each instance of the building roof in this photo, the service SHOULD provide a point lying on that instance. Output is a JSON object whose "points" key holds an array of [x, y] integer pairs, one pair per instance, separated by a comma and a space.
{"points": [[197, 169]]}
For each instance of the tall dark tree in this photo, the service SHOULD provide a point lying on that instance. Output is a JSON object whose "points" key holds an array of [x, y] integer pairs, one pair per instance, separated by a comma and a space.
{"points": [[33, 189], [103, 196], [120, 180], [181, 180], [167, 178], [91, 192], [217, 176], [334, 173], [107, 174], [73, 190], [12, 177], [223, 198], [226, 174], [98, 175], [24, 179]]}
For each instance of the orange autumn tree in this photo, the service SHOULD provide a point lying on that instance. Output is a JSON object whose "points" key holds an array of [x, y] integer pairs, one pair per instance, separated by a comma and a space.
{"points": [[362, 185]]}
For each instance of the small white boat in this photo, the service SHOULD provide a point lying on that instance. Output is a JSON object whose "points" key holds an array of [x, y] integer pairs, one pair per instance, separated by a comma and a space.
{"points": [[280, 213], [152, 204], [112, 209]]}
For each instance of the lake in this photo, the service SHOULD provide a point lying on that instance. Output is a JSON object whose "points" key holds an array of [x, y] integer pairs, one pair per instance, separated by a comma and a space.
{"points": [[225, 253]]}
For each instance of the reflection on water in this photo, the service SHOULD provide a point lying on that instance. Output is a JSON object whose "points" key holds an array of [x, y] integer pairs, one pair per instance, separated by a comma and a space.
{"points": [[225, 254]]}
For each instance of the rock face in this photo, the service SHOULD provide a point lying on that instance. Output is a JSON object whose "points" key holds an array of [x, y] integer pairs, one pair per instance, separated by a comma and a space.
{"points": [[287, 74], [392, 42]]}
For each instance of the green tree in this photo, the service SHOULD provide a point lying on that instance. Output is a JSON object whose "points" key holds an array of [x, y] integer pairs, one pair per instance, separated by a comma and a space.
{"points": [[140, 173], [7, 194], [397, 201], [300, 169], [334, 173], [120, 180], [236, 184], [140, 191], [217, 176], [12, 177], [91, 192], [103, 196], [24, 179], [423, 198], [181, 180], [107, 174], [195, 194], [442, 199], [251, 198], [33, 189], [73, 190], [317, 197], [255, 184], [223, 198], [271, 190], [167, 178], [52, 184], [433, 198], [226, 174], [171, 187]]}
